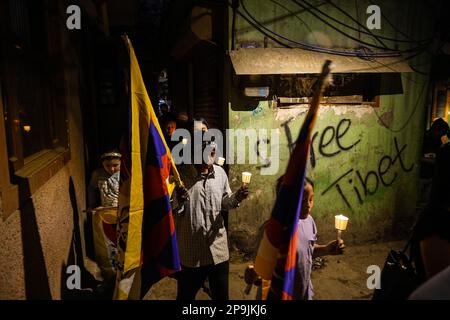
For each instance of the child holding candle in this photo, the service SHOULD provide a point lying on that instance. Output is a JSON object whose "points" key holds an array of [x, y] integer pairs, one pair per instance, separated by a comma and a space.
{"points": [[307, 249]]}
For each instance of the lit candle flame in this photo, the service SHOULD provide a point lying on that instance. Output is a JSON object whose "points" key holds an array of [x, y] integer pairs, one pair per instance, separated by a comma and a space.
{"points": [[220, 161], [340, 222], [246, 176]]}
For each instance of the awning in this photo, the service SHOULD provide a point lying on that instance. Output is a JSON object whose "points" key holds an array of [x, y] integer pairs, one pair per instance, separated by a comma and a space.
{"points": [[253, 61]]}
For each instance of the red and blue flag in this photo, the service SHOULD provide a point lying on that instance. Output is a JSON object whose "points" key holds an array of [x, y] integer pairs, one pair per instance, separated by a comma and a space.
{"points": [[147, 244], [276, 257]]}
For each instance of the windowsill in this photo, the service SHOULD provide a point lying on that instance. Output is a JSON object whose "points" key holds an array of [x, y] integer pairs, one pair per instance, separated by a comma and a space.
{"points": [[37, 170]]}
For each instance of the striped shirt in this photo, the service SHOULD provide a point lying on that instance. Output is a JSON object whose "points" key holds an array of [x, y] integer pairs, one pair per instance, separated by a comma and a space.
{"points": [[201, 234], [103, 189]]}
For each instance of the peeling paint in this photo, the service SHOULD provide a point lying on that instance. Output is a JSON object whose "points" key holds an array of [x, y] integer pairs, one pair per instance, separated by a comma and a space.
{"points": [[359, 111]]}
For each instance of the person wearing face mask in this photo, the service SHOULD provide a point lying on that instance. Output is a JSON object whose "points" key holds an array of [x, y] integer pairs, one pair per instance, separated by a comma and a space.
{"points": [[199, 223]]}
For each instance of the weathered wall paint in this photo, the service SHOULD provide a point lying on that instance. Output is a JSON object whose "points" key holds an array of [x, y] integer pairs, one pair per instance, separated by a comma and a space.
{"points": [[375, 151], [45, 229]]}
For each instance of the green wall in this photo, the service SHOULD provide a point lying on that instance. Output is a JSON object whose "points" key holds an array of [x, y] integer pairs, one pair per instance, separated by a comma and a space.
{"points": [[366, 148]]}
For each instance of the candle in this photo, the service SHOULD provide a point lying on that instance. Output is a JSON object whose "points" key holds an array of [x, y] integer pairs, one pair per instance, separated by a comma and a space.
{"points": [[340, 222], [246, 176], [220, 161]]}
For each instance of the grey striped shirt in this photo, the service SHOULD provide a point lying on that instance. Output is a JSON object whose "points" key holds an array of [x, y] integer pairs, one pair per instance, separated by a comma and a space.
{"points": [[199, 225]]}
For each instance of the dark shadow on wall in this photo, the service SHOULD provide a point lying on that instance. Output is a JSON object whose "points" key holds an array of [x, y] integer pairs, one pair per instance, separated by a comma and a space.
{"points": [[403, 219], [35, 273], [75, 257], [89, 236]]}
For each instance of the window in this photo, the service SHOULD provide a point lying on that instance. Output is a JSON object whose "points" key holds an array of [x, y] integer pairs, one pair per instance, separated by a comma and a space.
{"points": [[257, 92], [344, 88], [33, 92], [291, 90]]}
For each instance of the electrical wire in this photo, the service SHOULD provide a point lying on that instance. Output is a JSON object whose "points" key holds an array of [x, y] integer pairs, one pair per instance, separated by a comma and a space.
{"points": [[360, 53], [354, 53], [396, 28], [403, 126], [424, 46], [426, 41], [264, 30], [296, 16], [401, 60], [357, 18], [388, 65], [418, 71], [367, 32], [349, 36], [363, 52]]}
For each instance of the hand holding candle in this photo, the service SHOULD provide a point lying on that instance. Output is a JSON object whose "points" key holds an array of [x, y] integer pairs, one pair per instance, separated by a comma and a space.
{"points": [[243, 192]]}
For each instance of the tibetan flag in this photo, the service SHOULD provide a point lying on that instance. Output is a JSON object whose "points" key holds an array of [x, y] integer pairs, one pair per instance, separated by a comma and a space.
{"points": [[147, 245], [276, 257]]}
